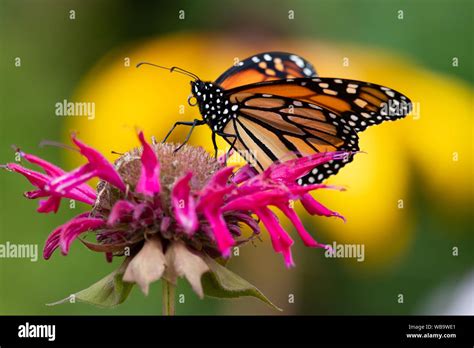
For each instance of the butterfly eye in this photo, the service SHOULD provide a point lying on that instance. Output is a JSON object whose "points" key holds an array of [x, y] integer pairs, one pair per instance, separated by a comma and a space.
{"points": [[192, 101]]}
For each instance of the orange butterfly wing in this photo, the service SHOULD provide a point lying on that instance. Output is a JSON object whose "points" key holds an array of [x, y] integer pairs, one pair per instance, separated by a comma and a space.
{"points": [[293, 117], [267, 66]]}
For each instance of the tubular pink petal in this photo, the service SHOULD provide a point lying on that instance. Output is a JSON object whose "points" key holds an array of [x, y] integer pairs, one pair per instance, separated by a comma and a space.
{"points": [[36, 194], [74, 181], [263, 192], [313, 207], [301, 190], [149, 182], [281, 241], [70, 180], [54, 171], [243, 174], [49, 168], [49, 205], [75, 228], [255, 201], [43, 182], [35, 178], [249, 202], [234, 230], [313, 187], [74, 193], [98, 165], [221, 177], [288, 257], [248, 220], [78, 195], [210, 203], [184, 206], [295, 220], [257, 197], [220, 231], [88, 191], [52, 242], [293, 169], [212, 197], [119, 210]]}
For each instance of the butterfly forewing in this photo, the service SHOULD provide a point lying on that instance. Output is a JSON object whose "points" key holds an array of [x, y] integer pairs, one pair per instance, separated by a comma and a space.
{"points": [[267, 66], [361, 104]]}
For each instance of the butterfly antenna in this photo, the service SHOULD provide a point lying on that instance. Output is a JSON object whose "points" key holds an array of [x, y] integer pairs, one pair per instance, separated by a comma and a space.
{"points": [[173, 68]]}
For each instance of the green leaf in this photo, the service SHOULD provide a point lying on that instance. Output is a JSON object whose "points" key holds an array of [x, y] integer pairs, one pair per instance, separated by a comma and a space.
{"points": [[222, 283], [107, 292]]}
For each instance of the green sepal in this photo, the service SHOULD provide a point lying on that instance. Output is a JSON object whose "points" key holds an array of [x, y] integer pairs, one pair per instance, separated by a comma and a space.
{"points": [[220, 282], [107, 292]]}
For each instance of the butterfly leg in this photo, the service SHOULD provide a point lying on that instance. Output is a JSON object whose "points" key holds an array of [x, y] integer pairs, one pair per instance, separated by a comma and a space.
{"points": [[194, 123], [224, 135], [214, 144]]}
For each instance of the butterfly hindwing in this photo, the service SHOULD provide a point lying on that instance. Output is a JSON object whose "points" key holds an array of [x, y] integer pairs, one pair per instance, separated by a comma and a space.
{"points": [[267, 66], [278, 128]]}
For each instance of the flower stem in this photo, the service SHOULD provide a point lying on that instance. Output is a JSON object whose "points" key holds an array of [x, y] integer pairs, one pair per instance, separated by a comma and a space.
{"points": [[168, 297]]}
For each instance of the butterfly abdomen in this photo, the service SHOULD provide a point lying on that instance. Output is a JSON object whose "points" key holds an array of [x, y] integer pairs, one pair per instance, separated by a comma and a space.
{"points": [[215, 107]]}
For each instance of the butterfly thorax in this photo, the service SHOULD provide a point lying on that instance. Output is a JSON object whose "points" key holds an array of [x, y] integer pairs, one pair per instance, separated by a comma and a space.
{"points": [[215, 107]]}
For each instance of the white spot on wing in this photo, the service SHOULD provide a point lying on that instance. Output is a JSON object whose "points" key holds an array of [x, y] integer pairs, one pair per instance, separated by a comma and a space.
{"points": [[307, 71], [298, 61]]}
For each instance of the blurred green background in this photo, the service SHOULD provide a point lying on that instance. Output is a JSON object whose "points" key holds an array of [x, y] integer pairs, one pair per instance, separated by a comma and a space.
{"points": [[57, 53]]}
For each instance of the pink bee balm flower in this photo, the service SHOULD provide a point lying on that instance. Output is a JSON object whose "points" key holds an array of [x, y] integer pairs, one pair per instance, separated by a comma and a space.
{"points": [[168, 211]]}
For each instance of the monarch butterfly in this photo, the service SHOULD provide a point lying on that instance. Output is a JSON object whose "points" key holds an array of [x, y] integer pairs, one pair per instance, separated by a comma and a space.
{"points": [[274, 105]]}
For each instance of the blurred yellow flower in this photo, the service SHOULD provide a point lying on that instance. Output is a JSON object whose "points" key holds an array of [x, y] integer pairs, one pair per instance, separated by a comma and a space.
{"points": [[435, 140]]}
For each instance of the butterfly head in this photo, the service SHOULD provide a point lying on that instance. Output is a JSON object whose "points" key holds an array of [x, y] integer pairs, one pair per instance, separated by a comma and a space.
{"points": [[214, 106], [205, 91]]}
